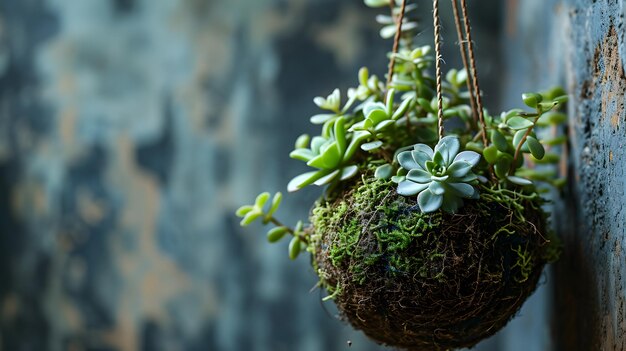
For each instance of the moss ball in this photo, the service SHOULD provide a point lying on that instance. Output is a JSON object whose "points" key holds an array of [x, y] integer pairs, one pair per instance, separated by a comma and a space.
{"points": [[432, 281]]}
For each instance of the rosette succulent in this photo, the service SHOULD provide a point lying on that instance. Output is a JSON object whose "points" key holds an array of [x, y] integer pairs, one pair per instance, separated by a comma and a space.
{"points": [[440, 178]]}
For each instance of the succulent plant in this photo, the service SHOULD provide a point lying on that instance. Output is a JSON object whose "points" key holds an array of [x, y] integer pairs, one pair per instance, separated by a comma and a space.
{"points": [[441, 178]]}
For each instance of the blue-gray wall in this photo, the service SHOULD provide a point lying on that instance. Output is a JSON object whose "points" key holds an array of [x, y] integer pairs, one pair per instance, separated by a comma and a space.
{"points": [[131, 129]]}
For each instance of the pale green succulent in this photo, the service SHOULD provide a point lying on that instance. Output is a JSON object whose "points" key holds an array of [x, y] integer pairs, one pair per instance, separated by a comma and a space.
{"points": [[440, 178]]}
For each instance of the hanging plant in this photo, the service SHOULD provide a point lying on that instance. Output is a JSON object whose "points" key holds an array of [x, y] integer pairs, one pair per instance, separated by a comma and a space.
{"points": [[425, 238]]}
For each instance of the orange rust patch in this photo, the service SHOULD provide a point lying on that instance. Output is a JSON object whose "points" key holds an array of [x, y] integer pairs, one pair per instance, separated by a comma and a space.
{"points": [[613, 78], [610, 156]]}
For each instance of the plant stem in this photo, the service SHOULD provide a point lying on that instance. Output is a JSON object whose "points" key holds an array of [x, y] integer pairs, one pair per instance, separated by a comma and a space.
{"points": [[289, 230], [519, 146]]}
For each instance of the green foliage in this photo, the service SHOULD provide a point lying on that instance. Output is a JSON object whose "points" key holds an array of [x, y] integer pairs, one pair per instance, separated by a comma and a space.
{"points": [[390, 130]]}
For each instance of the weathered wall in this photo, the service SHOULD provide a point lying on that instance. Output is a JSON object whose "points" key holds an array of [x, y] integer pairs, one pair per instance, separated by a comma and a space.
{"points": [[581, 44], [131, 130]]}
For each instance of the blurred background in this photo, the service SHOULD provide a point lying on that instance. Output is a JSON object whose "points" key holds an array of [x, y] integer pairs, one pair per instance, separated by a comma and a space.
{"points": [[130, 131]]}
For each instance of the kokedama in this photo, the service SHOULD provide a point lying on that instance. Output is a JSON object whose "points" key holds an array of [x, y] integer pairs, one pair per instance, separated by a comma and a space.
{"points": [[430, 233]]}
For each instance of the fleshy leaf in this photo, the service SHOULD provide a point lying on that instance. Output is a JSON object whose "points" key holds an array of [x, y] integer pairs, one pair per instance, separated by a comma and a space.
{"points": [[276, 200], [243, 210], [519, 180], [327, 178], [448, 147], [302, 142], [294, 248], [261, 199], [384, 172], [459, 169], [404, 106], [491, 154], [425, 149], [348, 172], [418, 176], [463, 189], [517, 123], [321, 118], [384, 124], [250, 217], [304, 179], [535, 147], [305, 155], [420, 158], [499, 141], [371, 145], [436, 188], [429, 202], [409, 188], [377, 116], [407, 161], [470, 157], [275, 234], [377, 3]]}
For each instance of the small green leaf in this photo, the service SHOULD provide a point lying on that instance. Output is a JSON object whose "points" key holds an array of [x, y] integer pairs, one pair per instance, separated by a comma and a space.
{"points": [[327, 179], [276, 200], [404, 106], [552, 118], [425, 104], [536, 149], [305, 179], [363, 76], [377, 3], [490, 154], [294, 248], [275, 234], [499, 141], [519, 180], [348, 172], [547, 158], [387, 32], [302, 142], [372, 145], [321, 118], [261, 200], [554, 141], [305, 155], [517, 138], [502, 166], [532, 99], [340, 135], [384, 172], [391, 94], [429, 202], [243, 210], [517, 123], [384, 124], [250, 217]]}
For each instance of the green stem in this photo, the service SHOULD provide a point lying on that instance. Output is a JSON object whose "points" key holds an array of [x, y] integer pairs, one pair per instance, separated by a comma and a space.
{"points": [[289, 230]]}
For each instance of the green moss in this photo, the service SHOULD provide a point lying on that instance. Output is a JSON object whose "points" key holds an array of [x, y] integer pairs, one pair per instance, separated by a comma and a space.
{"points": [[370, 230]]}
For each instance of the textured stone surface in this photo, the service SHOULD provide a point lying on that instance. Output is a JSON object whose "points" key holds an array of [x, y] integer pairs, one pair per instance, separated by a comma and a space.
{"points": [[131, 130], [581, 44]]}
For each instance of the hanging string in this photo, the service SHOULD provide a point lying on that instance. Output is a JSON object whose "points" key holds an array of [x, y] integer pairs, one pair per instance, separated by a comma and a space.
{"points": [[474, 72], [396, 40], [462, 46], [438, 60]]}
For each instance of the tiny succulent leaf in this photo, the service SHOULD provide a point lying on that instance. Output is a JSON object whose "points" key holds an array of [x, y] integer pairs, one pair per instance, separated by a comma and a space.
{"points": [[327, 179], [384, 172], [275, 234], [499, 141], [517, 123], [459, 169], [302, 142], [372, 145], [250, 217], [407, 160], [348, 172], [261, 199], [409, 188], [302, 154], [243, 210], [276, 200], [294, 248], [532, 99], [519, 180], [429, 202], [535, 147], [321, 118], [470, 157], [448, 147], [304, 179], [419, 176]]}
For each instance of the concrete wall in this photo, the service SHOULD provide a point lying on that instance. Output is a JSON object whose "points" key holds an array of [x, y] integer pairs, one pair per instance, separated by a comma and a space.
{"points": [[581, 44]]}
